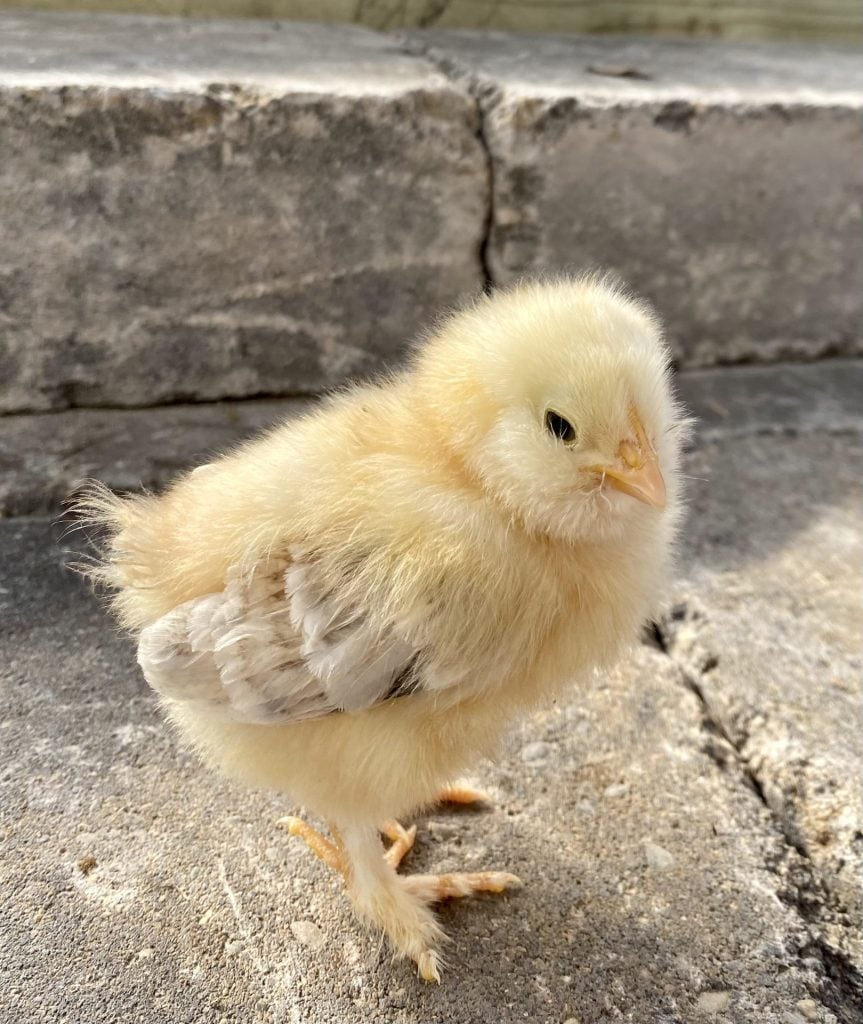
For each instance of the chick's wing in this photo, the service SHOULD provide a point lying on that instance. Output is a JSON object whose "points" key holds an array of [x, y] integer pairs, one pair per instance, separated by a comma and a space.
{"points": [[276, 645]]}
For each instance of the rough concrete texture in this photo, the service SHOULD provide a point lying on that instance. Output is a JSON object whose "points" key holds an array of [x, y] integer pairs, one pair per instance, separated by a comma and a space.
{"points": [[783, 685], [208, 210], [724, 184], [44, 457], [688, 826]]}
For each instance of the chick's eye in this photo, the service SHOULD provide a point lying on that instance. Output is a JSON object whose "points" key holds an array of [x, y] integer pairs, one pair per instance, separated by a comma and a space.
{"points": [[559, 427]]}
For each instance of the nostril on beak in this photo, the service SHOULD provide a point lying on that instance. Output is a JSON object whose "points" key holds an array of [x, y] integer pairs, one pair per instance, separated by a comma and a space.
{"points": [[630, 454]]}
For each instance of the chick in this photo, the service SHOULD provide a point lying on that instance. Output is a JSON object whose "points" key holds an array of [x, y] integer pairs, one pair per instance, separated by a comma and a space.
{"points": [[353, 607]]}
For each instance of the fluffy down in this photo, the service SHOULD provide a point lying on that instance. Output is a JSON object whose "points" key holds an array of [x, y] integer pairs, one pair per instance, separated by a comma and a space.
{"points": [[353, 607]]}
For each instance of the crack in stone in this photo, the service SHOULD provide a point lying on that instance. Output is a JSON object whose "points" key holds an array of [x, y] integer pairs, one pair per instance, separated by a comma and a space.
{"points": [[483, 95], [804, 890], [488, 223], [723, 747]]}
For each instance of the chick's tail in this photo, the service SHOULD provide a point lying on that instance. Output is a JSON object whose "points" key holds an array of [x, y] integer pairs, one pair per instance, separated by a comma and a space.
{"points": [[128, 552]]}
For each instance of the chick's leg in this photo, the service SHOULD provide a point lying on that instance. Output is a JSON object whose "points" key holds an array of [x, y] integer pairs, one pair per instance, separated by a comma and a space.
{"points": [[402, 841], [330, 853], [384, 899]]}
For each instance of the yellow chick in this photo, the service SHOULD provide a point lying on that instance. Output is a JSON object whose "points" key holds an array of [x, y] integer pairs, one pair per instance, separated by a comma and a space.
{"points": [[352, 608]]}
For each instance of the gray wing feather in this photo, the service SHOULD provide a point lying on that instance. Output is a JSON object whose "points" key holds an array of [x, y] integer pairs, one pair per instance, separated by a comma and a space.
{"points": [[273, 646]]}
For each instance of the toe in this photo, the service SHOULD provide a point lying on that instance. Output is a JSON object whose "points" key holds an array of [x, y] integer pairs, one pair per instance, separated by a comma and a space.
{"points": [[435, 888], [428, 966], [496, 881], [462, 794], [402, 841]]}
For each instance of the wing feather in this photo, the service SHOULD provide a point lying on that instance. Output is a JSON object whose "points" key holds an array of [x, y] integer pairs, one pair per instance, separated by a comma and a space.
{"points": [[276, 645]]}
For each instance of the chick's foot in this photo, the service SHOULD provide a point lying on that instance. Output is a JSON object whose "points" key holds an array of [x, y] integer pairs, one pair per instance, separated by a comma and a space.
{"points": [[400, 905], [402, 841], [416, 932]]}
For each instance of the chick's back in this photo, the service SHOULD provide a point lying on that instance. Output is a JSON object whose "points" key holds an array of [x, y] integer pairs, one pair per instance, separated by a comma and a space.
{"points": [[305, 478]]}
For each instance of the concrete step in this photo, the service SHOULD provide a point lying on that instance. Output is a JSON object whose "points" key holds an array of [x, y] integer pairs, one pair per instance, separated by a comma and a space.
{"points": [[724, 182], [198, 210], [45, 456]]}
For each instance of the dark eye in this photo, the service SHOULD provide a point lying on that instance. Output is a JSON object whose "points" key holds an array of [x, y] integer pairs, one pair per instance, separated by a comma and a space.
{"points": [[562, 429]]}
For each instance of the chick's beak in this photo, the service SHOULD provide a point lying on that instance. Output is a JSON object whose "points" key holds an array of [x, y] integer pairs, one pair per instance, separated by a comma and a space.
{"points": [[639, 475]]}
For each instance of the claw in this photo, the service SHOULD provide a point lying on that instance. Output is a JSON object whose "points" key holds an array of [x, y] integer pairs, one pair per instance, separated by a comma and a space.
{"points": [[427, 966]]}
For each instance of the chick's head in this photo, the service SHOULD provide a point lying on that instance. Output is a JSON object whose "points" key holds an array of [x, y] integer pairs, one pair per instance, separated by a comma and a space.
{"points": [[556, 396]]}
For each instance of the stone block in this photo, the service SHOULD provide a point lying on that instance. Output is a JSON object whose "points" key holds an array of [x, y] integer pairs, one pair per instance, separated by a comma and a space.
{"points": [[724, 182], [199, 210]]}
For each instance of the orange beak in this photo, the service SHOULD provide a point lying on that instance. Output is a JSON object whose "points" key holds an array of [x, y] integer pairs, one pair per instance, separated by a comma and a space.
{"points": [[639, 476]]}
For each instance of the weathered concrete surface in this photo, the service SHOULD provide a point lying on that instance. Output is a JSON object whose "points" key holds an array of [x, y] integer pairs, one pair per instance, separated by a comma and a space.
{"points": [[193, 211], [673, 873], [45, 456], [199, 210], [727, 186], [768, 629]]}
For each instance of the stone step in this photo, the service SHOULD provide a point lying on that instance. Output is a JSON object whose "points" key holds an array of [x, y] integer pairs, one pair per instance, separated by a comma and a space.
{"points": [[45, 456], [200, 210], [724, 182]]}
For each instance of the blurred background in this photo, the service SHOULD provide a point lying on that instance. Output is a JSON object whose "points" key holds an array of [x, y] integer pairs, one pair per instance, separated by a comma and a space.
{"points": [[833, 20]]}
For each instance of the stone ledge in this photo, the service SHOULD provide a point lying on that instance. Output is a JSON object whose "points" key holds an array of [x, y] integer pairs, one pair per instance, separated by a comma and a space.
{"points": [[44, 456], [616, 71], [205, 210], [208, 210], [725, 185], [39, 50]]}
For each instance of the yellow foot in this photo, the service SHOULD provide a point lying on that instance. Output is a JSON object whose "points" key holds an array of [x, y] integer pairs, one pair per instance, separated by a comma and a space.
{"points": [[330, 853], [398, 904], [462, 794], [435, 888], [402, 841]]}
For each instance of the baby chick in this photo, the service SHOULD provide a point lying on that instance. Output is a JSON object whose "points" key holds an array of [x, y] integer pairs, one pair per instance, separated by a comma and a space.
{"points": [[353, 607]]}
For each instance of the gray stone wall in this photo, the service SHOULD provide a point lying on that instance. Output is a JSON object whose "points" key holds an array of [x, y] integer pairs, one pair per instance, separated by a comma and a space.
{"points": [[194, 213], [206, 210]]}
